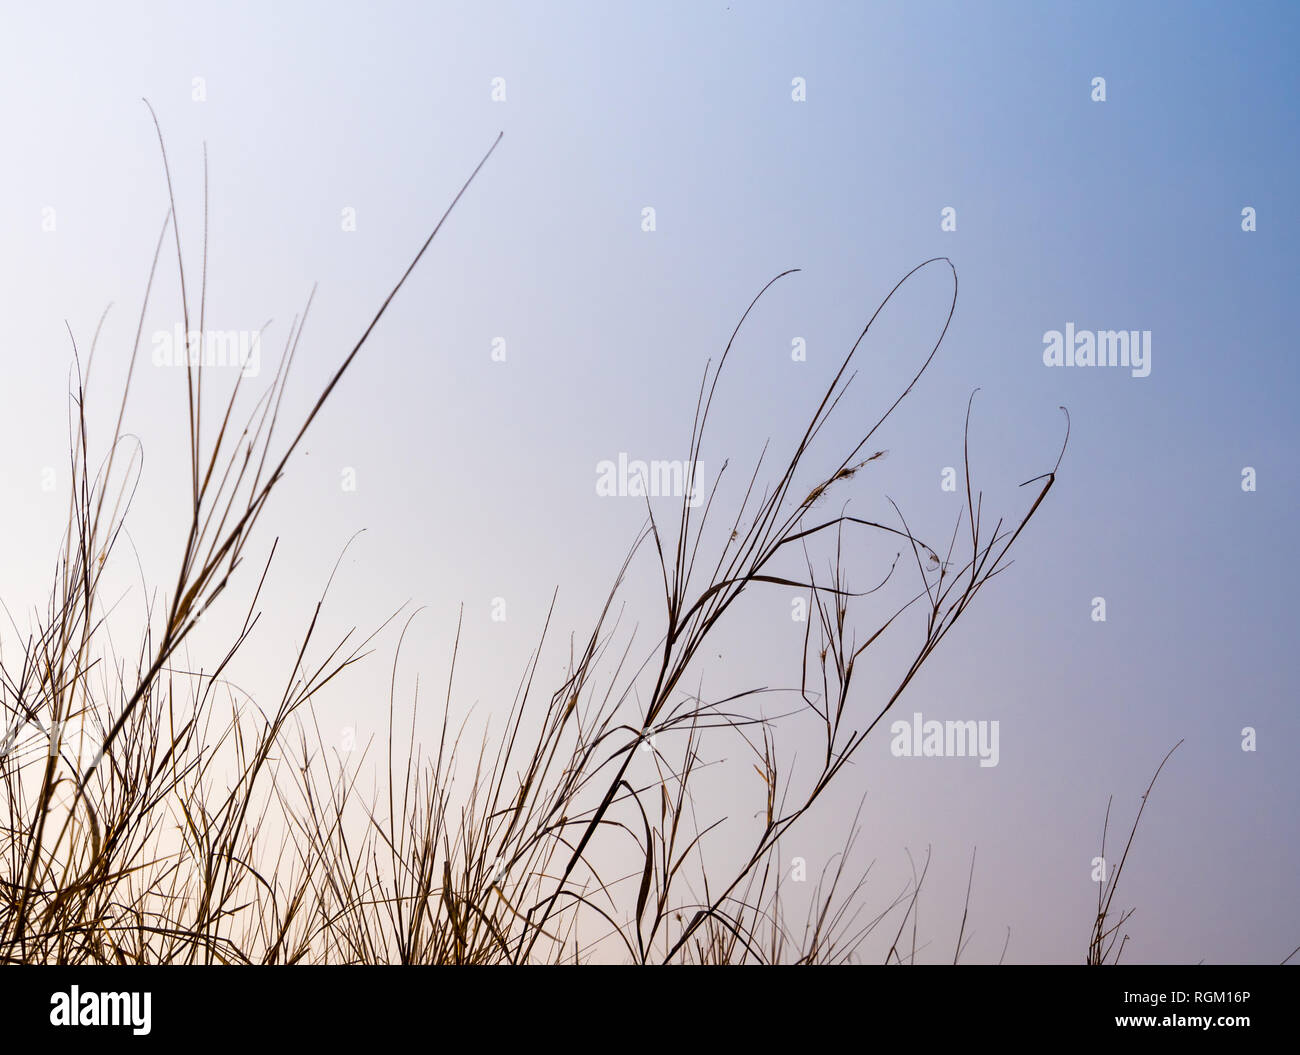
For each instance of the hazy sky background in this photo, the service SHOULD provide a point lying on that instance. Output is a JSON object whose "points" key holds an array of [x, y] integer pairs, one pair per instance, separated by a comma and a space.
{"points": [[476, 479]]}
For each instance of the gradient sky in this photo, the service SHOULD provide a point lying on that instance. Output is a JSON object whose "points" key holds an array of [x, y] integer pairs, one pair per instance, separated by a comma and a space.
{"points": [[475, 479]]}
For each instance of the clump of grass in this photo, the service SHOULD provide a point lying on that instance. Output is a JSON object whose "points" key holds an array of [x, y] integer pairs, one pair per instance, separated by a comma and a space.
{"points": [[166, 831]]}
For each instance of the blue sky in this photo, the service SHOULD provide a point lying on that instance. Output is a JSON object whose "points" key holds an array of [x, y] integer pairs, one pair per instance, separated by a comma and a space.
{"points": [[475, 478]]}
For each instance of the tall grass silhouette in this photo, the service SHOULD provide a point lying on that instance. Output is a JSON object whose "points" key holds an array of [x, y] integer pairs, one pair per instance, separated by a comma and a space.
{"points": [[141, 824]]}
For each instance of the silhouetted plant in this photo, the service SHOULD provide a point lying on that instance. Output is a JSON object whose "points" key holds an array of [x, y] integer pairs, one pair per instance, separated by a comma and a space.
{"points": [[1106, 929], [166, 833]]}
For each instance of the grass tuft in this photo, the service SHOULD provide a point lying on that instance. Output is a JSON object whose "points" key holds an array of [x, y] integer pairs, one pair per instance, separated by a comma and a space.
{"points": [[172, 826]]}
